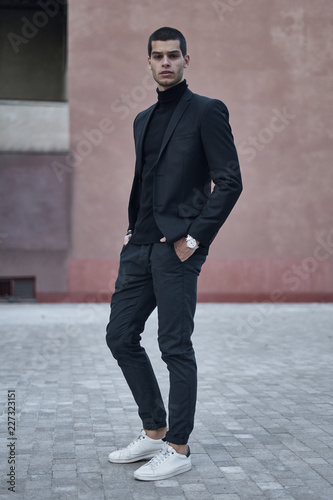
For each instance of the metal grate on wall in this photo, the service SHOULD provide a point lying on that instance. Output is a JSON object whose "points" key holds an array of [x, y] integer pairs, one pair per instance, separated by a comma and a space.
{"points": [[17, 289]]}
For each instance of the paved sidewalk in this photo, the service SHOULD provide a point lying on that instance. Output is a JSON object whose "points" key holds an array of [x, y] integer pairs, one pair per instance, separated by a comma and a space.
{"points": [[264, 422]]}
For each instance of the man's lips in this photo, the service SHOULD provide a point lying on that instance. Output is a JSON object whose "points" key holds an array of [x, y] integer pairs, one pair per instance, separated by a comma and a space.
{"points": [[166, 73]]}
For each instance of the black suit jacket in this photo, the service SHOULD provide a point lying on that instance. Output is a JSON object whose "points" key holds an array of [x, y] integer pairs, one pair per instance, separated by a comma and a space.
{"points": [[197, 148]]}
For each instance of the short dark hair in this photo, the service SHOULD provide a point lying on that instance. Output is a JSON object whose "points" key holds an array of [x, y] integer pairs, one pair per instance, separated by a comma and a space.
{"points": [[164, 34]]}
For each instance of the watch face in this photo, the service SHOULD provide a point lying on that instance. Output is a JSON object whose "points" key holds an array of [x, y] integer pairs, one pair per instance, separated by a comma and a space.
{"points": [[191, 243]]}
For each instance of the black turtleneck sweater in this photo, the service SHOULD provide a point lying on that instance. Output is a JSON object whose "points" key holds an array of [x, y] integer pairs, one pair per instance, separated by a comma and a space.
{"points": [[146, 230]]}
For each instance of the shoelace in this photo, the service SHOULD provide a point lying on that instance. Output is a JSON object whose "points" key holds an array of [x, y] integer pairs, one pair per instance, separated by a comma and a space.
{"points": [[139, 438], [160, 457]]}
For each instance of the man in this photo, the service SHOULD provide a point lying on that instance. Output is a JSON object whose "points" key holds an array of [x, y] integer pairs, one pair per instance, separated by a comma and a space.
{"points": [[183, 142]]}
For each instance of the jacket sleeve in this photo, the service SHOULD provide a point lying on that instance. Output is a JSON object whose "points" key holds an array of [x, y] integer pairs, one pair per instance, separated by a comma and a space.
{"points": [[133, 205], [223, 164]]}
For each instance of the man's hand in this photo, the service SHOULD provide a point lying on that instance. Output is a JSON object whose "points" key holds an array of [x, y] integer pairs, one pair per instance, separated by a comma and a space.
{"points": [[127, 238], [181, 249]]}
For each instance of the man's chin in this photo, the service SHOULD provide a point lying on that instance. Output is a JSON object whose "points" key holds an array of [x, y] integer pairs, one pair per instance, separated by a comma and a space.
{"points": [[166, 84]]}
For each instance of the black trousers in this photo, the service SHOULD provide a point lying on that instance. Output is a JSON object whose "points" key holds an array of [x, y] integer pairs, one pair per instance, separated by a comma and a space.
{"points": [[150, 276]]}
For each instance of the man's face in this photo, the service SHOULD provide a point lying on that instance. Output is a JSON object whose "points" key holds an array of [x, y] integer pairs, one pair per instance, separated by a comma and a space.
{"points": [[167, 63]]}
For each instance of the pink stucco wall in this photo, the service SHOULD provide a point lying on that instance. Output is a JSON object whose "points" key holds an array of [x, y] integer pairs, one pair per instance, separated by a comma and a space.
{"points": [[269, 61]]}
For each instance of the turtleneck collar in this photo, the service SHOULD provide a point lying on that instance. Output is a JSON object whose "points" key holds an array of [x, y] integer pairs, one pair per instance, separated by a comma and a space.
{"points": [[172, 95]]}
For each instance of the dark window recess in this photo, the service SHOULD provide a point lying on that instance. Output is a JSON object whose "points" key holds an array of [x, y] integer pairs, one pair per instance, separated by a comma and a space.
{"points": [[17, 288], [33, 50], [4, 288]]}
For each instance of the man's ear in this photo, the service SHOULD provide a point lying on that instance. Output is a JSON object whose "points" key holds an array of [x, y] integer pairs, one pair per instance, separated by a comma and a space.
{"points": [[186, 60]]}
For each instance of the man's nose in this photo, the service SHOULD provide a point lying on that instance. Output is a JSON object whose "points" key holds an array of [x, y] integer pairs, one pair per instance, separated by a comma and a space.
{"points": [[166, 61]]}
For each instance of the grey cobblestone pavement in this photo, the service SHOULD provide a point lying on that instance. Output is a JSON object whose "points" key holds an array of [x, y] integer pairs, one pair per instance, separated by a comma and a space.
{"points": [[264, 422]]}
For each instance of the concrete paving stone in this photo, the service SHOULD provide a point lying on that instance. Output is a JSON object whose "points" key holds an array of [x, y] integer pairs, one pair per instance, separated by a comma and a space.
{"points": [[246, 486], [320, 488], [63, 426], [25, 449], [307, 474], [63, 473], [233, 473], [208, 471], [67, 464], [44, 436], [115, 478], [85, 442], [103, 439], [198, 495], [249, 464], [269, 485], [87, 465], [290, 480], [83, 451], [41, 448], [63, 492], [67, 445], [218, 485], [272, 494], [138, 495], [65, 441], [64, 483], [167, 483], [97, 495], [90, 484], [261, 477], [41, 494], [240, 452], [288, 497], [274, 464], [103, 467], [304, 493], [39, 470], [193, 487], [37, 481], [117, 495], [63, 455], [226, 497], [174, 497]]}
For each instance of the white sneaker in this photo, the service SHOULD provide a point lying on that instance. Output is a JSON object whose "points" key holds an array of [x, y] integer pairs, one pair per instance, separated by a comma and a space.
{"points": [[167, 463], [142, 447]]}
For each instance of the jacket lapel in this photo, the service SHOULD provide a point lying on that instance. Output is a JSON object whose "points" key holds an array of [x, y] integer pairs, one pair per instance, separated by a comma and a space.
{"points": [[176, 116]]}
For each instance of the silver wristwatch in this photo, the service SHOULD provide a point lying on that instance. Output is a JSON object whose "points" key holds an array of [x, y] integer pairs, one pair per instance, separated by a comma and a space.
{"points": [[191, 242]]}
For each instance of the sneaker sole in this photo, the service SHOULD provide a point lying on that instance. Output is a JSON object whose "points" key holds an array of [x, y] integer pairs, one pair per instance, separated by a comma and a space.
{"points": [[134, 459], [185, 468]]}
